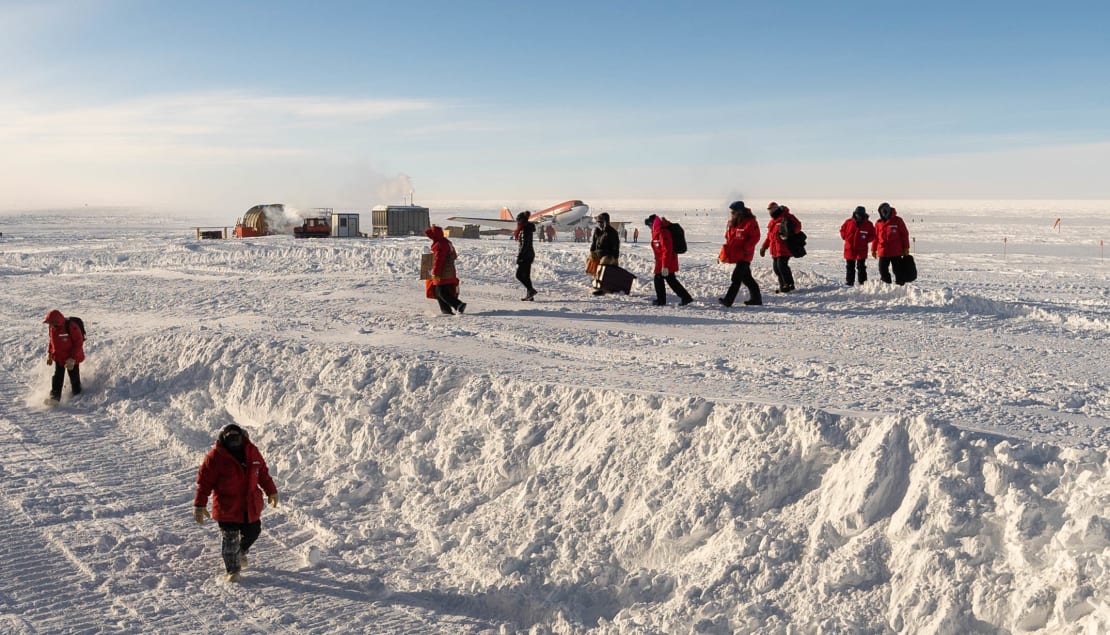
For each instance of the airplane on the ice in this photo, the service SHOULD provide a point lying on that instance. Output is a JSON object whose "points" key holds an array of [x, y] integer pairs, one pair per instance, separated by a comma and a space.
{"points": [[565, 214]]}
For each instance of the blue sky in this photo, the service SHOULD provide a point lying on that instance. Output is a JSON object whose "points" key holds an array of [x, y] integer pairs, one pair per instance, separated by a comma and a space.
{"points": [[349, 104]]}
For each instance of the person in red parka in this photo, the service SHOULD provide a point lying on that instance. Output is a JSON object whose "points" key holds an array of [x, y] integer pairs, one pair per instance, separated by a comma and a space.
{"points": [[666, 262], [892, 242], [66, 351], [445, 282], [741, 236], [858, 233], [781, 224], [236, 476]]}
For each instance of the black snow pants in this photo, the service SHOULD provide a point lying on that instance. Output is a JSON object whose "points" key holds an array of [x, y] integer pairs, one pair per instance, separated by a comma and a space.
{"points": [[59, 378], [742, 275], [674, 284], [524, 275], [781, 267], [237, 540], [446, 297], [856, 267]]}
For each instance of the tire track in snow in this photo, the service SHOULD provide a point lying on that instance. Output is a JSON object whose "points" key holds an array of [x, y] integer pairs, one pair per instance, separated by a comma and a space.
{"points": [[95, 499], [93, 513]]}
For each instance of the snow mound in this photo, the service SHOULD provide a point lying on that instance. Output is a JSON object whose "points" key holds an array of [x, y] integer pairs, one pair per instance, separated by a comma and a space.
{"points": [[628, 511]]}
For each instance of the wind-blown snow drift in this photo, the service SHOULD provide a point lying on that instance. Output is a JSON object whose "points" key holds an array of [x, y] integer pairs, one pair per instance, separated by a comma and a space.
{"points": [[592, 506]]}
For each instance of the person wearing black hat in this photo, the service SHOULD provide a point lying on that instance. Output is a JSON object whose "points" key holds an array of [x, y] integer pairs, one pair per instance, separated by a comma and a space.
{"points": [[858, 233], [236, 476], [741, 237], [605, 247], [779, 228], [892, 243], [666, 262], [525, 230]]}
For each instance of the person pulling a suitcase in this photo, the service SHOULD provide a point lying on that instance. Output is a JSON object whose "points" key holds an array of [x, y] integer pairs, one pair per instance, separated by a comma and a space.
{"points": [[605, 248]]}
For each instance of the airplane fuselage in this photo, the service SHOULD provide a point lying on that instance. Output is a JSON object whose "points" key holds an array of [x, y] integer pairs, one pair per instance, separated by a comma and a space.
{"points": [[565, 213]]}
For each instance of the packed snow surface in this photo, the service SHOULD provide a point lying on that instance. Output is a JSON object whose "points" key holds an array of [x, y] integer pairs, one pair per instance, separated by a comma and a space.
{"points": [[867, 459]]}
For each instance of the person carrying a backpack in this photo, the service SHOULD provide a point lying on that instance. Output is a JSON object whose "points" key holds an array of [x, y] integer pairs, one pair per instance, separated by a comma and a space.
{"points": [[892, 241], [66, 351], [741, 236], [525, 229], [666, 262], [857, 233], [779, 228]]}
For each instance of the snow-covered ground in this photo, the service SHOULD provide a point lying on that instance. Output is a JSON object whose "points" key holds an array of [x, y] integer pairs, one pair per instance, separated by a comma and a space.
{"points": [[928, 458]]}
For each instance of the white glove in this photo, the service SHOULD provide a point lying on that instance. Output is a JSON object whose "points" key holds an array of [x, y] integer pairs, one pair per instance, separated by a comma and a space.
{"points": [[272, 499], [665, 272], [70, 363], [200, 513]]}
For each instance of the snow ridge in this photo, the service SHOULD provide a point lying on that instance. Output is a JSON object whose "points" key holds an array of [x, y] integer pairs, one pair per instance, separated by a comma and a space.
{"points": [[632, 511]]}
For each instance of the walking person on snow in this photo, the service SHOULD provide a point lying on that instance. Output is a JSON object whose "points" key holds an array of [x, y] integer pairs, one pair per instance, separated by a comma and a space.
{"points": [[66, 351], [235, 473], [741, 236], [605, 247], [666, 262], [892, 241], [858, 233], [781, 225], [445, 282], [525, 230]]}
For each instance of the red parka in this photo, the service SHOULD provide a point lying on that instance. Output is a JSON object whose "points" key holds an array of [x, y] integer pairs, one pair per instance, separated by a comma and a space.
{"points": [[857, 236], [443, 257], [892, 237], [740, 240], [777, 244], [237, 490], [66, 340], [663, 246]]}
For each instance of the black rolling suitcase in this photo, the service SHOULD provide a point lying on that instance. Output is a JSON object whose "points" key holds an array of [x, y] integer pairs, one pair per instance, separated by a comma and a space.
{"points": [[612, 278]]}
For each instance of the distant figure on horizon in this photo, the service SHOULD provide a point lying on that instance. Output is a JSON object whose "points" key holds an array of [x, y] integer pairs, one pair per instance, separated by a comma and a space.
{"points": [[741, 237], [635, 234], [666, 262], [551, 233], [892, 242], [236, 475], [444, 281], [525, 229], [782, 224], [65, 350], [858, 233]]}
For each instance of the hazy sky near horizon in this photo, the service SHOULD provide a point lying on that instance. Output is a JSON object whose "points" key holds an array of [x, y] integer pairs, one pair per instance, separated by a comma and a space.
{"points": [[348, 104]]}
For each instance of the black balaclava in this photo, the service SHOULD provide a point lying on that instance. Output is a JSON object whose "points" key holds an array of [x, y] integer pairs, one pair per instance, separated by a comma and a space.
{"points": [[234, 440]]}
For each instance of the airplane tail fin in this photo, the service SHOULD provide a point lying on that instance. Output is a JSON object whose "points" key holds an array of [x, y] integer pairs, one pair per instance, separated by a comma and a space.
{"points": [[506, 214]]}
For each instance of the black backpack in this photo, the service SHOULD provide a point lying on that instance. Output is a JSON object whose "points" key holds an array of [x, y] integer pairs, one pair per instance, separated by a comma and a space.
{"points": [[79, 322], [678, 238], [797, 244], [795, 241]]}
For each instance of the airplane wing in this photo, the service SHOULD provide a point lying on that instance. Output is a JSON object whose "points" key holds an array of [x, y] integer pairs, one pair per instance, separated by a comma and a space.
{"points": [[487, 222]]}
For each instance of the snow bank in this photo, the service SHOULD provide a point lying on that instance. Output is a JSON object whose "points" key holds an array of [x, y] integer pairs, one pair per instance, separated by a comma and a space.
{"points": [[626, 511]]}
